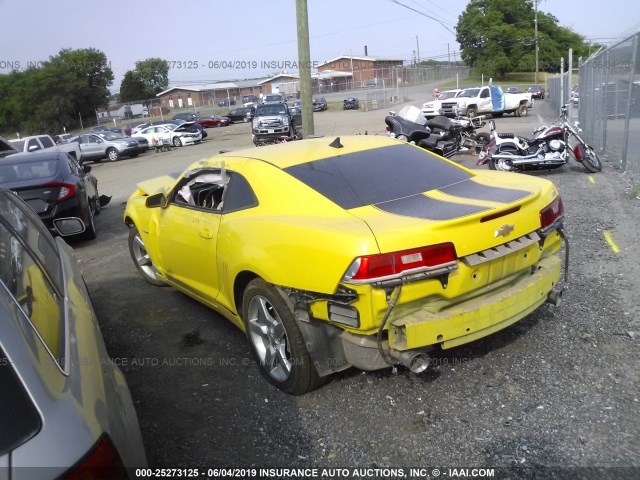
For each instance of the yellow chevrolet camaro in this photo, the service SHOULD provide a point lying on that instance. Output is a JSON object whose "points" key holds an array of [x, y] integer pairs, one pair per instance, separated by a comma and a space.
{"points": [[355, 252]]}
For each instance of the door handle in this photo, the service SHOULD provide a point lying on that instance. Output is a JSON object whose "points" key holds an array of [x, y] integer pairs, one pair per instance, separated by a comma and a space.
{"points": [[205, 233]]}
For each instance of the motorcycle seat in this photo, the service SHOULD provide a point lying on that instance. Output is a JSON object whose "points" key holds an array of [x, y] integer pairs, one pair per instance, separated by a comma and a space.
{"points": [[439, 122], [506, 135]]}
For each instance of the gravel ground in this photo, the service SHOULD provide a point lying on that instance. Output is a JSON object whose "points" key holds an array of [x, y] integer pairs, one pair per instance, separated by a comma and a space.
{"points": [[555, 395]]}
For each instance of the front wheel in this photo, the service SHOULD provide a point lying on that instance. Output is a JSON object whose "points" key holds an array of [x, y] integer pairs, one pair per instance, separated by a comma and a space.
{"points": [[471, 112], [591, 161], [177, 142], [276, 340], [141, 258]]}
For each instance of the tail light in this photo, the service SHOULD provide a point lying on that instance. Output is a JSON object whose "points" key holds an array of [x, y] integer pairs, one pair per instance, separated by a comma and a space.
{"points": [[372, 268], [551, 214], [67, 190], [101, 463]]}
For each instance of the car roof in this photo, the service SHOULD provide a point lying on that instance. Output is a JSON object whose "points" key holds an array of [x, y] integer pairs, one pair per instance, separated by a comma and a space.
{"points": [[287, 154], [31, 156]]}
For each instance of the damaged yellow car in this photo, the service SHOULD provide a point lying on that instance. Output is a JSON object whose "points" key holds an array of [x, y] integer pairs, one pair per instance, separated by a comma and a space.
{"points": [[356, 252]]}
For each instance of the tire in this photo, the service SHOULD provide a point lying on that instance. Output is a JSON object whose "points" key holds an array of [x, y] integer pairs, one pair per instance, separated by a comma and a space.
{"points": [[141, 258], [134, 155], [482, 139], [501, 164], [276, 340], [177, 142], [591, 161], [245, 120], [90, 229], [522, 111], [96, 203], [472, 112], [113, 155]]}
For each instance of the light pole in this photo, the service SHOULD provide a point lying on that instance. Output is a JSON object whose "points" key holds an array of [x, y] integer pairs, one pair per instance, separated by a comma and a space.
{"points": [[417, 49]]}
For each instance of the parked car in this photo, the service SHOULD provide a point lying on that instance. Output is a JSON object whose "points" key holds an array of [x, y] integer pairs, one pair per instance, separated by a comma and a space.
{"points": [[59, 386], [274, 98], [188, 117], [109, 145], [238, 114], [248, 100], [55, 186], [513, 90], [536, 91], [125, 130], [143, 144], [319, 104], [37, 143], [225, 102], [326, 264], [213, 121], [177, 135], [350, 103]]}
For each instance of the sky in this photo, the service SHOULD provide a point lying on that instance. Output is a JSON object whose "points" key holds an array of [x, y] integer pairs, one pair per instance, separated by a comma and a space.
{"points": [[212, 40]]}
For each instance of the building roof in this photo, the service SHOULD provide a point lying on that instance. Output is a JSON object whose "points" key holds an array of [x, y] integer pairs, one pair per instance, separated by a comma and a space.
{"points": [[370, 59], [205, 87]]}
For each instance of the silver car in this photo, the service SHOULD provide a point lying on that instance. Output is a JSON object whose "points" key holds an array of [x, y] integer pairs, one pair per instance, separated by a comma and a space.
{"points": [[66, 408], [109, 145]]}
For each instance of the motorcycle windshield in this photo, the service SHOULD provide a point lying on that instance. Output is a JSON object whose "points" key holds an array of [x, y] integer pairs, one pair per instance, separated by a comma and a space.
{"points": [[412, 114]]}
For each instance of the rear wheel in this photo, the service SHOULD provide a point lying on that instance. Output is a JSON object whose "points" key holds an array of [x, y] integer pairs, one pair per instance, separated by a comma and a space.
{"points": [[141, 258], [502, 164], [482, 139], [276, 340], [471, 112], [522, 111]]}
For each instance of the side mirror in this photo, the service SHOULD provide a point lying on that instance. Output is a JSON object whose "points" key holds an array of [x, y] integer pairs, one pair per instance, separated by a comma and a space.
{"points": [[32, 148], [157, 200], [68, 226]]}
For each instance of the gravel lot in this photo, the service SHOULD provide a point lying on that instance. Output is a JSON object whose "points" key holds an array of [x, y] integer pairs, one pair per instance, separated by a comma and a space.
{"points": [[558, 389]]}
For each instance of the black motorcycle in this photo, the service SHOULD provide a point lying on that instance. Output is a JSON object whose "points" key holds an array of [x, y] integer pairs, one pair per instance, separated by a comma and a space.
{"points": [[441, 135], [350, 103]]}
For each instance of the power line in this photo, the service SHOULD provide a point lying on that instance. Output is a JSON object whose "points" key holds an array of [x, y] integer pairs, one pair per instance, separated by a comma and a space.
{"points": [[424, 15]]}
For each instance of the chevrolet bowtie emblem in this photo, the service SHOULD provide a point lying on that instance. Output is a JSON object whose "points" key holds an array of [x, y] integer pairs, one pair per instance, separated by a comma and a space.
{"points": [[504, 230]]}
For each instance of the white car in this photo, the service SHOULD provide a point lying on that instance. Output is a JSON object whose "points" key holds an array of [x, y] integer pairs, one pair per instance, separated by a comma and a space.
{"points": [[176, 135], [432, 108]]}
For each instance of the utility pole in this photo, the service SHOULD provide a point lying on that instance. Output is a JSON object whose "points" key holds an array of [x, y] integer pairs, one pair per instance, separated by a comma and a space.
{"points": [[535, 23], [304, 59]]}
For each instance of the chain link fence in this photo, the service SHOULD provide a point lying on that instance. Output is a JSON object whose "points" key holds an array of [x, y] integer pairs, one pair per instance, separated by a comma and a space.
{"points": [[608, 101]]}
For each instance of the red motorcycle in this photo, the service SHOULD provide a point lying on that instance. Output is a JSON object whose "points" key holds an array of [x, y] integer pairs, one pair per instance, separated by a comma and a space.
{"points": [[550, 148]]}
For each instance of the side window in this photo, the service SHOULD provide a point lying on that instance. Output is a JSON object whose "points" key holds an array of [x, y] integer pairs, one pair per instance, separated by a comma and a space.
{"points": [[484, 93], [239, 195], [31, 288], [206, 190], [33, 145], [46, 142]]}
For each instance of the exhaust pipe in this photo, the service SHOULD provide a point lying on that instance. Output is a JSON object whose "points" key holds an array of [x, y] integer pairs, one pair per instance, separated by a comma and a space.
{"points": [[415, 361], [554, 297]]}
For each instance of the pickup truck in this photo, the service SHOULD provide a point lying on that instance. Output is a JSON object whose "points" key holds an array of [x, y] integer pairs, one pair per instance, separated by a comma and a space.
{"points": [[270, 122], [37, 143], [432, 109], [479, 100]]}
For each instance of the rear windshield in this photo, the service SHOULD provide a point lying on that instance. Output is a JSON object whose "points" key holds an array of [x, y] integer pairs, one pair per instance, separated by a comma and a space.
{"points": [[378, 175], [31, 170]]}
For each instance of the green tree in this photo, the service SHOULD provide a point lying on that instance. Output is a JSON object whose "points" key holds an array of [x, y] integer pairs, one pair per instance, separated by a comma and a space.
{"points": [[498, 36], [47, 98], [131, 87]]}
